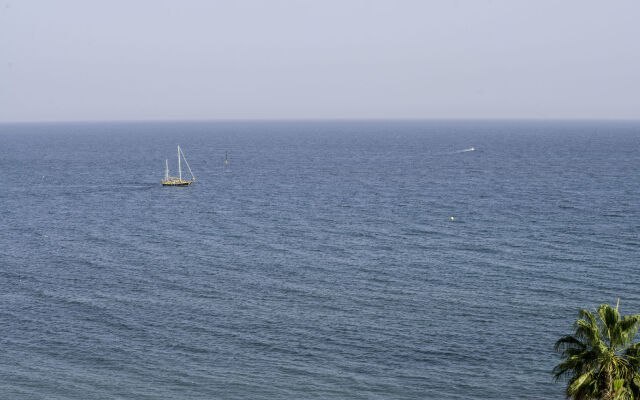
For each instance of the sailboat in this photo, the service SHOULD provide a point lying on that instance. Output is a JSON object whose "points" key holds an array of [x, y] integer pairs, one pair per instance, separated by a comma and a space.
{"points": [[177, 180]]}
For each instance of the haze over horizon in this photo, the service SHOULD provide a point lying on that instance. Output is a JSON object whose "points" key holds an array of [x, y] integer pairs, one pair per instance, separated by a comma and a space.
{"points": [[208, 60]]}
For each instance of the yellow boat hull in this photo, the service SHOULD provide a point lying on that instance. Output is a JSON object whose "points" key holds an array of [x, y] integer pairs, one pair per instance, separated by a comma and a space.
{"points": [[176, 183]]}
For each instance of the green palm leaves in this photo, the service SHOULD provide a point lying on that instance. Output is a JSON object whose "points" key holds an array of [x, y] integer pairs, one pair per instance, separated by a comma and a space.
{"points": [[600, 359]]}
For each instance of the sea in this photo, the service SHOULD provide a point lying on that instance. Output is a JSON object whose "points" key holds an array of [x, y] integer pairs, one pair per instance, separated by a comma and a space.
{"points": [[325, 260]]}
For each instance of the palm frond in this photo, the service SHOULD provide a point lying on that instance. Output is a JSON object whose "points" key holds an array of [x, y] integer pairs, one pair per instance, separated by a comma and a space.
{"points": [[587, 330], [629, 327], [579, 381], [610, 317], [568, 341]]}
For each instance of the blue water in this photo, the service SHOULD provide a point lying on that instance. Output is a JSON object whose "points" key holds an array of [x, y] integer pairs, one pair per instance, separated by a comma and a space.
{"points": [[322, 264]]}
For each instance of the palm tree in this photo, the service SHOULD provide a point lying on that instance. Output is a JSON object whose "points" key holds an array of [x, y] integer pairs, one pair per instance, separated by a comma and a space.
{"points": [[600, 360]]}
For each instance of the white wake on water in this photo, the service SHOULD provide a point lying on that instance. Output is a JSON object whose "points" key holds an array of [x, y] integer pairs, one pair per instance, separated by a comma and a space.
{"points": [[457, 151]]}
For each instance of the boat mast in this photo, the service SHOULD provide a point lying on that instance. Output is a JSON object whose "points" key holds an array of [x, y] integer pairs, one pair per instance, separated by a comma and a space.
{"points": [[179, 167], [166, 173]]}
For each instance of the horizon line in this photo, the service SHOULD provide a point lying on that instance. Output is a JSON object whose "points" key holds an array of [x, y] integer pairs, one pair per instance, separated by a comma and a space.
{"points": [[352, 119]]}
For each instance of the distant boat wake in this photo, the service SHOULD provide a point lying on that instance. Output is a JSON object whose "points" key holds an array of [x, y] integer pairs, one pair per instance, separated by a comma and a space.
{"points": [[457, 151]]}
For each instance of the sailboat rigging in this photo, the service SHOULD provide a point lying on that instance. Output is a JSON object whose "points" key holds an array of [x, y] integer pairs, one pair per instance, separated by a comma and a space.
{"points": [[177, 180]]}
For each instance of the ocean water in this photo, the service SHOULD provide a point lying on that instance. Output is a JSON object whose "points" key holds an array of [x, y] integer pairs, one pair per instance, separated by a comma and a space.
{"points": [[322, 264]]}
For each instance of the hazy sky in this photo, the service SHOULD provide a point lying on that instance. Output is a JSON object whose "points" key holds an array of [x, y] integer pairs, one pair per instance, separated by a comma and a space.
{"points": [[208, 59]]}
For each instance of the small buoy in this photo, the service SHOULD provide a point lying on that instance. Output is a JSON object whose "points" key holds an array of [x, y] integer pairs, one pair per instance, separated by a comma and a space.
{"points": [[452, 218]]}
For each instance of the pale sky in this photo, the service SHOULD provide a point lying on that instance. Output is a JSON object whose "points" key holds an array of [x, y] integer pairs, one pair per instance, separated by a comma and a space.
{"points": [[79, 60]]}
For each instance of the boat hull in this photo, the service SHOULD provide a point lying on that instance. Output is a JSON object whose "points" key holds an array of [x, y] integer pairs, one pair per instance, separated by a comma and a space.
{"points": [[176, 183]]}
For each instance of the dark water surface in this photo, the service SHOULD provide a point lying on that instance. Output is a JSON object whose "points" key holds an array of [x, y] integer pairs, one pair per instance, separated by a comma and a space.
{"points": [[322, 264]]}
